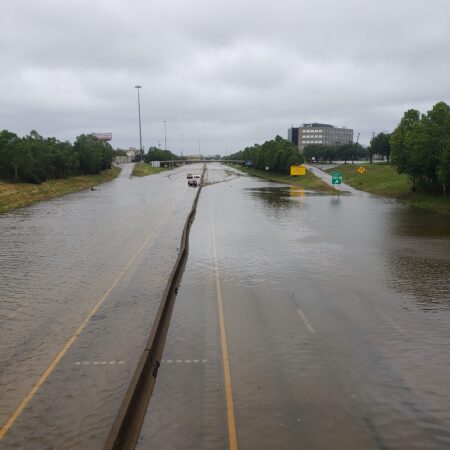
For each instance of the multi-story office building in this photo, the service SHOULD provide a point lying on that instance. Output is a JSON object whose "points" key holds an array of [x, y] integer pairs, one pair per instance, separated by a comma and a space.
{"points": [[319, 133], [293, 135]]}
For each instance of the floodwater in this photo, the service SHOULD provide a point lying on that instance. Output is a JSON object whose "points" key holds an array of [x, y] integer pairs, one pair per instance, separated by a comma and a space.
{"points": [[98, 260], [336, 312]]}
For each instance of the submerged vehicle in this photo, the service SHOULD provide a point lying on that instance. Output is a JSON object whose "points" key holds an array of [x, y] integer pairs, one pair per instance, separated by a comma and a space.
{"points": [[194, 180]]}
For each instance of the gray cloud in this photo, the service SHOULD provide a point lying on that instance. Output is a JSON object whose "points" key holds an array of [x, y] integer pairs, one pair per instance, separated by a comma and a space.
{"points": [[229, 73]]}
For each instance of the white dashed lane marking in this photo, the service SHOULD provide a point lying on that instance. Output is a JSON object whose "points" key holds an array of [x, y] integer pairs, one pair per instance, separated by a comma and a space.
{"points": [[167, 361], [185, 361], [98, 363]]}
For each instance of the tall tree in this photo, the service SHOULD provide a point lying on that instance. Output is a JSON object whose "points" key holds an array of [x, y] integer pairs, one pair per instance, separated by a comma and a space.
{"points": [[401, 150], [380, 145]]}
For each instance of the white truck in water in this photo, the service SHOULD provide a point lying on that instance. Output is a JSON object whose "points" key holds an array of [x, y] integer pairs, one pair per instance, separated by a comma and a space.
{"points": [[193, 180]]}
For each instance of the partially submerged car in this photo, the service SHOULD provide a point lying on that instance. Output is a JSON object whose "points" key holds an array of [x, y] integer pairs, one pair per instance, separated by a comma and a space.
{"points": [[194, 180]]}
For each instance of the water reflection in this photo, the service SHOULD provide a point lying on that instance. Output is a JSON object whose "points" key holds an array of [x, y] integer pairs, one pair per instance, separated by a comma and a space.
{"points": [[417, 222], [281, 197], [427, 279], [296, 192]]}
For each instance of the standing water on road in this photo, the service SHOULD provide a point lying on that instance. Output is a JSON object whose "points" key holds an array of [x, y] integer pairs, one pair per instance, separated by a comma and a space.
{"points": [[95, 259], [336, 312]]}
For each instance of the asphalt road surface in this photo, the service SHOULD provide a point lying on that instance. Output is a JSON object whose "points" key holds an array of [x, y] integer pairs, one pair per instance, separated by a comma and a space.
{"points": [[81, 280], [303, 321], [306, 321]]}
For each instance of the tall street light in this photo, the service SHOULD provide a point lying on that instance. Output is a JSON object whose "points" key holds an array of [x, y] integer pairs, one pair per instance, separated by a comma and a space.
{"points": [[165, 135], [141, 150]]}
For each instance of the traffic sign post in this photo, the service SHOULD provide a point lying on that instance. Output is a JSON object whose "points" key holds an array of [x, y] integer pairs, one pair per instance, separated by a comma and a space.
{"points": [[336, 178]]}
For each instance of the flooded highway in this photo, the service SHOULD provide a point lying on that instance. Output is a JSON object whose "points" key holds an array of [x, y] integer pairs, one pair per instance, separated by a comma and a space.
{"points": [[306, 321], [81, 279], [303, 321]]}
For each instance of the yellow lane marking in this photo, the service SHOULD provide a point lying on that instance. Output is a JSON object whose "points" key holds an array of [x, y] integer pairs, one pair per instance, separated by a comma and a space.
{"points": [[43, 378], [232, 435]]}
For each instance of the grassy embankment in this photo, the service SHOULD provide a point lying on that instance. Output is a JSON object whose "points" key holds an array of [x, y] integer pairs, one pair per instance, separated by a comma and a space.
{"points": [[308, 182], [17, 195], [142, 170], [384, 180]]}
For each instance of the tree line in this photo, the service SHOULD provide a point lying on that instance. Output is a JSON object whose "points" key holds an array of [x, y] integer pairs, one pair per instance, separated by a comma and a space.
{"points": [[278, 155], [420, 148], [156, 154], [328, 153], [35, 159]]}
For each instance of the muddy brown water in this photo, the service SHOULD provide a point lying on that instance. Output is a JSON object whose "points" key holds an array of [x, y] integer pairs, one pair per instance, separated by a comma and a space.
{"points": [[336, 313]]}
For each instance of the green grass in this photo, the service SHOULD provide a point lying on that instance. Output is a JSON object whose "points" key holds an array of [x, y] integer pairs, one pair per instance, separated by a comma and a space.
{"points": [[309, 182], [142, 170], [378, 179], [17, 195], [383, 179]]}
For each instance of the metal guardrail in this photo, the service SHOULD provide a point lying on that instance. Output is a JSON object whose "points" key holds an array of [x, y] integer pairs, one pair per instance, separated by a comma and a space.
{"points": [[128, 422]]}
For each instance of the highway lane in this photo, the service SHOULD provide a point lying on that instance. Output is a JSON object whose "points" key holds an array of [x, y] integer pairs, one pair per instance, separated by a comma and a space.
{"points": [[335, 313], [81, 280]]}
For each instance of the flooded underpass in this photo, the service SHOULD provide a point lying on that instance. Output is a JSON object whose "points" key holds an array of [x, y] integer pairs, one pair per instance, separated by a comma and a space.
{"points": [[306, 321], [303, 321]]}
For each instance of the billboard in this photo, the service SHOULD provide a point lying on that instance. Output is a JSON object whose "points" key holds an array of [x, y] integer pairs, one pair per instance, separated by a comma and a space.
{"points": [[103, 136], [298, 170]]}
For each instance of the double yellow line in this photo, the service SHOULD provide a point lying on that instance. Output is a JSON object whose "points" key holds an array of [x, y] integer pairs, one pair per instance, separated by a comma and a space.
{"points": [[43, 378]]}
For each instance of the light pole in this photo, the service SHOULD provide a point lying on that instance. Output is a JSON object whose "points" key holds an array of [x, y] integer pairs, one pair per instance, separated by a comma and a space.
{"points": [[141, 150], [165, 135], [182, 144]]}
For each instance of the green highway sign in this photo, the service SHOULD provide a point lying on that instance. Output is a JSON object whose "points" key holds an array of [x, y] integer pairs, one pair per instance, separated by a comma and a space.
{"points": [[336, 177]]}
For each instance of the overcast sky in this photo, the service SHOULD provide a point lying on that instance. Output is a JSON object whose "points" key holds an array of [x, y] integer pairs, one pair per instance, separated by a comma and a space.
{"points": [[230, 73]]}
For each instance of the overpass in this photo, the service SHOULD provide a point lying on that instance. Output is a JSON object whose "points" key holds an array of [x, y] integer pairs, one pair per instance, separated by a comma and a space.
{"points": [[177, 162]]}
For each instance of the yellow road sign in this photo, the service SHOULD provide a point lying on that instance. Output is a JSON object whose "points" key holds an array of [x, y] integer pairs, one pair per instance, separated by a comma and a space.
{"points": [[298, 170], [361, 170]]}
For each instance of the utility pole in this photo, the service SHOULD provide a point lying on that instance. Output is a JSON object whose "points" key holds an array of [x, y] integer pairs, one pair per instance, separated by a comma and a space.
{"points": [[182, 144], [165, 135], [354, 148], [141, 150]]}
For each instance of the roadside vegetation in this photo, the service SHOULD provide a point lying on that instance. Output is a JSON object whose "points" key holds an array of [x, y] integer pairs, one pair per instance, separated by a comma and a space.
{"points": [[329, 153], [380, 179], [17, 195], [34, 168], [35, 159], [278, 155], [144, 169], [383, 179], [273, 160], [156, 154], [417, 153], [308, 182], [420, 148]]}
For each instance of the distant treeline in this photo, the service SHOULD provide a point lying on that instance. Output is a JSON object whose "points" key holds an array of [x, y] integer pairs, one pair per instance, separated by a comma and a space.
{"points": [[35, 159], [156, 154], [329, 153], [420, 147], [278, 154]]}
